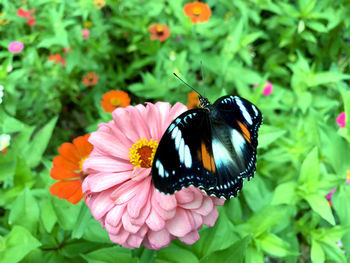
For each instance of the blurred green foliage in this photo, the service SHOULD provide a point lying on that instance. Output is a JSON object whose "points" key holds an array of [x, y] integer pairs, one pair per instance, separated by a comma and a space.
{"points": [[302, 47]]}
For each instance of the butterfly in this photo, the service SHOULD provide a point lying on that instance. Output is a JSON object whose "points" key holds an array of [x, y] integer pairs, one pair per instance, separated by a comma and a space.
{"points": [[212, 148]]}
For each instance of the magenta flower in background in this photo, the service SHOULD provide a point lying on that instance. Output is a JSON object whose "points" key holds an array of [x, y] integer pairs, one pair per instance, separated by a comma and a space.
{"points": [[15, 47], [119, 189], [329, 196], [85, 33], [267, 88], [341, 120]]}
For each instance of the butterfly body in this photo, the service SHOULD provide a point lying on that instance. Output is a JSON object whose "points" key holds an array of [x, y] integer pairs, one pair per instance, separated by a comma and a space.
{"points": [[212, 148]]}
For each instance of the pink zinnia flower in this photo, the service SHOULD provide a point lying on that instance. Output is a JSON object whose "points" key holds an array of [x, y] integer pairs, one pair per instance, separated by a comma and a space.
{"points": [[348, 177], [85, 33], [15, 47], [341, 120], [119, 189], [267, 88]]}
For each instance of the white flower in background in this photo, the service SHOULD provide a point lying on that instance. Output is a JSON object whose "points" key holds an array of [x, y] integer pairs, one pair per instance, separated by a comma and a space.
{"points": [[1, 93], [4, 141]]}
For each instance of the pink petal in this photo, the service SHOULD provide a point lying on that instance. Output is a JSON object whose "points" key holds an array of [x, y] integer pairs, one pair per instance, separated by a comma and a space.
{"points": [[102, 181], [153, 117], [190, 238], [164, 214], [120, 238], [134, 241], [218, 201], [110, 145], [128, 225], [154, 221], [112, 128], [115, 214], [102, 204], [180, 225], [145, 211], [113, 229], [198, 220], [196, 202], [159, 239], [105, 164], [167, 202], [163, 109], [175, 111], [135, 205], [127, 191], [139, 173], [206, 207], [122, 117], [210, 219], [184, 196]]}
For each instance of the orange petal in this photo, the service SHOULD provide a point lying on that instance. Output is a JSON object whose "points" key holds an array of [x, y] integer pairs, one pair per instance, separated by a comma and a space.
{"points": [[76, 197], [61, 161], [65, 189], [62, 173], [68, 151], [83, 146]]}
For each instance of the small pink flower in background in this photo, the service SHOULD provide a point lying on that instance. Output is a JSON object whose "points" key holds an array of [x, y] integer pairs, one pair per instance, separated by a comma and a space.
{"points": [[348, 177], [329, 196], [31, 21], [15, 47], [268, 88], [341, 120], [119, 189], [85, 33]]}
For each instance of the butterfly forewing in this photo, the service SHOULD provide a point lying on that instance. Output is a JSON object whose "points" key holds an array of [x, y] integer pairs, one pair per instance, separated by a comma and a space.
{"points": [[184, 156], [212, 148]]}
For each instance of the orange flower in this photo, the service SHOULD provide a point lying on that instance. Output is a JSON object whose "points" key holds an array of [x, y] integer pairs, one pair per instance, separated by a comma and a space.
{"points": [[160, 32], [58, 59], [193, 100], [67, 168], [90, 79], [197, 11], [99, 3], [114, 99]]}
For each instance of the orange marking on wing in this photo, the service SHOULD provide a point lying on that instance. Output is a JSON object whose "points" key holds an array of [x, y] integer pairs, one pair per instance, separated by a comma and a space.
{"points": [[246, 133], [206, 158]]}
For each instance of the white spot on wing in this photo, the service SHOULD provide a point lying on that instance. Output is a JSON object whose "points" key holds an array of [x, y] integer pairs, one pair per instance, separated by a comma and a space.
{"points": [[188, 157], [221, 154], [255, 110], [244, 111], [237, 141]]}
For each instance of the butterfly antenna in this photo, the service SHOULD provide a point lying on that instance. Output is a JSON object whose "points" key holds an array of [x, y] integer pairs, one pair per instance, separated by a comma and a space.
{"points": [[202, 75], [186, 84]]}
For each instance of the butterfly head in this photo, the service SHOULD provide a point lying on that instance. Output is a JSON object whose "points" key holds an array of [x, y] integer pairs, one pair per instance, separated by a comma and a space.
{"points": [[203, 102]]}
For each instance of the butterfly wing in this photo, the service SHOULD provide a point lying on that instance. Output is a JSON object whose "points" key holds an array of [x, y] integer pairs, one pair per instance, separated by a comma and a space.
{"points": [[185, 157], [242, 120]]}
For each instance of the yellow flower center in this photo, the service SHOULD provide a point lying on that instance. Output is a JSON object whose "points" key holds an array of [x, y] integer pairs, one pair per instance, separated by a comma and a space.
{"points": [[142, 153], [197, 11], [115, 102], [81, 163], [159, 29]]}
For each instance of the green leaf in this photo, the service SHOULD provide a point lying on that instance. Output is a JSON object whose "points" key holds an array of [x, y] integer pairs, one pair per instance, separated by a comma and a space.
{"points": [[36, 148], [253, 255], [334, 253], [62, 209], [256, 194], [269, 134], [48, 215], [274, 245], [317, 253], [83, 220], [320, 205], [321, 78], [110, 255], [234, 253], [171, 254], [18, 244], [25, 211], [309, 171], [285, 194]]}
